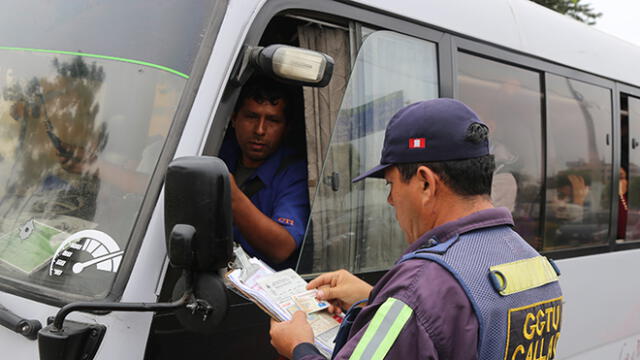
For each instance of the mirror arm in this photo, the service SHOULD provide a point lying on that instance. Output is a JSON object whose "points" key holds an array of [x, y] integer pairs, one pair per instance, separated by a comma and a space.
{"points": [[58, 321], [25, 327], [246, 67]]}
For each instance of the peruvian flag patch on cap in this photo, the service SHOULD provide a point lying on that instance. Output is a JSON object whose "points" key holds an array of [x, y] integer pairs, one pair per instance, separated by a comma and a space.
{"points": [[417, 143]]}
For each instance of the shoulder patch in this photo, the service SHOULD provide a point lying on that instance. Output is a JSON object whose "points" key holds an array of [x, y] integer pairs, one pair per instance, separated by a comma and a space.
{"points": [[533, 331]]}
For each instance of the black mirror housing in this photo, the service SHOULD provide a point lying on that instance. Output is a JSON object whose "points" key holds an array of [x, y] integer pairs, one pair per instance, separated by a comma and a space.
{"points": [[198, 194], [180, 246]]}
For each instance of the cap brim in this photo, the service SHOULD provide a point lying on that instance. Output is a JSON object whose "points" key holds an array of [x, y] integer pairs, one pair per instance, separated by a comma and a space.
{"points": [[376, 172]]}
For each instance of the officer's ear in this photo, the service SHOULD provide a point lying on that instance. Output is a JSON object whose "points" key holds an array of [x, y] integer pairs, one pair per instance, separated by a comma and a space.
{"points": [[428, 181]]}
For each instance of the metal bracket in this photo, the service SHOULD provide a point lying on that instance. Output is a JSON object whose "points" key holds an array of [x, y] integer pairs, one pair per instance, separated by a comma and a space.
{"points": [[74, 341]]}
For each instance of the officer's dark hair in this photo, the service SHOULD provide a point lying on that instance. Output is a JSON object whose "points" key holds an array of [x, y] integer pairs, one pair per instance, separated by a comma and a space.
{"points": [[468, 177], [260, 89]]}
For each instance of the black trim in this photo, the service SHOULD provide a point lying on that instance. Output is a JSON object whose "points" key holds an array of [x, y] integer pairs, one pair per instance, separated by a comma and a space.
{"points": [[616, 147], [627, 245], [60, 298], [447, 67], [575, 252], [543, 190], [626, 89]]}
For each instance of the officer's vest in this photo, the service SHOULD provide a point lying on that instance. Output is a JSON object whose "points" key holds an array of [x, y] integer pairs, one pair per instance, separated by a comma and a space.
{"points": [[513, 290]]}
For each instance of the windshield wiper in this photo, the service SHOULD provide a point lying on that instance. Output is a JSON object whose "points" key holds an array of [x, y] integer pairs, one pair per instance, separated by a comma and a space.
{"points": [[25, 327]]}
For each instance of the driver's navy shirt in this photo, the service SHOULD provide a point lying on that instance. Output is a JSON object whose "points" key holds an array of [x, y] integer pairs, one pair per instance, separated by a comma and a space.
{"points": [[284, 197]]}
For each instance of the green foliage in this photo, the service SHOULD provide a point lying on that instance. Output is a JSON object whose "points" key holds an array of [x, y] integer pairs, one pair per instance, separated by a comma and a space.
{"points": [[575, 9]]}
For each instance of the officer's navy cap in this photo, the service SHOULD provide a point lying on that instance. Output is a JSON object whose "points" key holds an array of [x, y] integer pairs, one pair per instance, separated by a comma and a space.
{"points": [[428, 131]]}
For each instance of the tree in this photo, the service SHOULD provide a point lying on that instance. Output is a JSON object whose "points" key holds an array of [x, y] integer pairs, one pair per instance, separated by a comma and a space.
{"points": [[579, 11]]}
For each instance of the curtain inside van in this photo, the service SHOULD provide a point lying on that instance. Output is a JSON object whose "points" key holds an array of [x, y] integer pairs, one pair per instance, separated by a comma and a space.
{"points": [[321, 106]]}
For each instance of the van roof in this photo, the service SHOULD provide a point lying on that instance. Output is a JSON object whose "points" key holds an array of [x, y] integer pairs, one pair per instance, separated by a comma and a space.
{"points": [[525, 26]]}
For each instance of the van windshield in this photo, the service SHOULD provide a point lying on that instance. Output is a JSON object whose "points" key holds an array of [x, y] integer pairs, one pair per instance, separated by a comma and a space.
{"points": [[87, 95]]}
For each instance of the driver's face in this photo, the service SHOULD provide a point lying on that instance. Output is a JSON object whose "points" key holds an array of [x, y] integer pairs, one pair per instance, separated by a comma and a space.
{"points": [[259, 129]]}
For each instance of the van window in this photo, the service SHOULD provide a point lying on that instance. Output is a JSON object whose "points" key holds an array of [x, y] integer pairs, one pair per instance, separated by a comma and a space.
{"points": [[578, 163], [631, 202], [352, 226], [508, 99]]}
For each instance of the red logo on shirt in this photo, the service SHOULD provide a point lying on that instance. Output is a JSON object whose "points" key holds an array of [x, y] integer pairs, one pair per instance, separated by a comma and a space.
{"points": [[285, 221], [417, 143]]}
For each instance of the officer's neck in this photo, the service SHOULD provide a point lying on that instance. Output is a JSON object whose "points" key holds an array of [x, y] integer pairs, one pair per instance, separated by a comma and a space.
{"points": [[450, 207]]}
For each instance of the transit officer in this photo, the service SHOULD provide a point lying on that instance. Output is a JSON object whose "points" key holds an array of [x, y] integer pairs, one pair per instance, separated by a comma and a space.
{"points": [[468, 286]]}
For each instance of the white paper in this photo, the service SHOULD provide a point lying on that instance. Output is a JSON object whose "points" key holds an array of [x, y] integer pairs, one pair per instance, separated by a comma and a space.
{"points": [[275, 291]]}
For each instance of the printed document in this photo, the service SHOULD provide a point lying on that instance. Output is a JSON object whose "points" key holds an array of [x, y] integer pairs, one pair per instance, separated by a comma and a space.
{"points": [[281, 294]]}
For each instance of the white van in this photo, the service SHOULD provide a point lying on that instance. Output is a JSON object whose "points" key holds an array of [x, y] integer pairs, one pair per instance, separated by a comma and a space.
{"points": [[103, 100]]}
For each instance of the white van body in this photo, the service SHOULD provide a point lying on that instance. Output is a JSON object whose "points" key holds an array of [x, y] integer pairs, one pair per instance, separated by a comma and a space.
{"points": [[602, 299]]}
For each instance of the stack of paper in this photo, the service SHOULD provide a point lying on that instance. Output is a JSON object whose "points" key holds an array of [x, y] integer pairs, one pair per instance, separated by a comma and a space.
{"points": [[281, 294]]}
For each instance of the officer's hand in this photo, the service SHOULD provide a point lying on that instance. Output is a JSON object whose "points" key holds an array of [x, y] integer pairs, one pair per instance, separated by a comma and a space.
{"points": [[341, 288], [286, 335]]}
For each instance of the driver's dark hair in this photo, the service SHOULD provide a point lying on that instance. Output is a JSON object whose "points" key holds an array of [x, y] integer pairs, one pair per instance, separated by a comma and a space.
{"points": [[260, 89], [468, 177]]}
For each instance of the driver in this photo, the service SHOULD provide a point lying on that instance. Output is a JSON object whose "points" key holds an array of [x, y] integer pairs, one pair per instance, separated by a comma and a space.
{"points": [[269, 192]]}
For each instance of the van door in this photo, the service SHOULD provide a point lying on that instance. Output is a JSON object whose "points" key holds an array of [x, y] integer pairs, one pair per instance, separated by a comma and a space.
{"points": [[351, 226]]}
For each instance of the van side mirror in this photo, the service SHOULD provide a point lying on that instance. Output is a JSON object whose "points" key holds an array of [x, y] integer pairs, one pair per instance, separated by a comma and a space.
{"points": [[199, 236], [198, 219]]}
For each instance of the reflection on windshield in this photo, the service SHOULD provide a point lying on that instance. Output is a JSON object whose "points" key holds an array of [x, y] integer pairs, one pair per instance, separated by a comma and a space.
{"points": [[79, 139]]}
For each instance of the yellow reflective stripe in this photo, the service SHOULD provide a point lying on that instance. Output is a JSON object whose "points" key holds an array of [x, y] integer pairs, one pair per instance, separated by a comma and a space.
{"points": [[383, 330], [524, 274]]}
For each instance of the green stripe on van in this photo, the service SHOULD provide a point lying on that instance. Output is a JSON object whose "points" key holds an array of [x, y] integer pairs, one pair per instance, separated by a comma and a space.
{"points": [[383, 330], [97, 56]]}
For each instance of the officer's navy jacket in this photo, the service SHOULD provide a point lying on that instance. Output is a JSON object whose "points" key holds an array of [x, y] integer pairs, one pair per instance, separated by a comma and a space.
{"points": [[431, 313]]}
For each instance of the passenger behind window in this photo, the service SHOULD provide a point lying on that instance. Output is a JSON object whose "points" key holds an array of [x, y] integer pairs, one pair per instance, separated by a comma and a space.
{"points": [[571, 198], [270, 200], [623, 207]]}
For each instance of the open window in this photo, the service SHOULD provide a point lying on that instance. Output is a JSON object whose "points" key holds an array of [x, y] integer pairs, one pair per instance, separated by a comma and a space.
{"points": [[628, 226], [352, 226], [375, 74]]}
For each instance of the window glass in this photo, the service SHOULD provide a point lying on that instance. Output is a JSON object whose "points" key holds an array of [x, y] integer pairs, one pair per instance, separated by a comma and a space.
{"points": [[81, 132], [352, 226], [508, 99], [79, 141], [578, 163], [631, 203], [162, 32]]}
